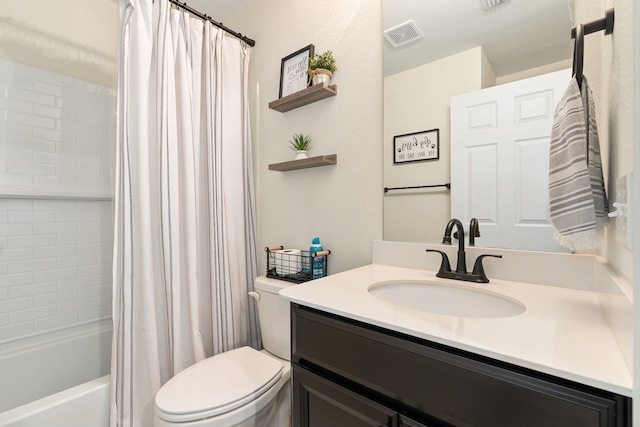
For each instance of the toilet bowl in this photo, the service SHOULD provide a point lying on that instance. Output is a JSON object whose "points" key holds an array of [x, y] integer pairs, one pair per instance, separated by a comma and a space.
{"points": [[238, 388]]}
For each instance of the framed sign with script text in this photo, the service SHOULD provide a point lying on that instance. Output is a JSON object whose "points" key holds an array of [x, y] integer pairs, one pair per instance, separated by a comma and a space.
{"points": [[417, 146], [294, 70]]}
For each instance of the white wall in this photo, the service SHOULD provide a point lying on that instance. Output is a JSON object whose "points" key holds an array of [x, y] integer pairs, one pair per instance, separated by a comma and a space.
{"points": [[341, 204], [73, 37], [56, 135], [418, 100], [56, 216], [37, 367], [537, 71], [608, 66]]}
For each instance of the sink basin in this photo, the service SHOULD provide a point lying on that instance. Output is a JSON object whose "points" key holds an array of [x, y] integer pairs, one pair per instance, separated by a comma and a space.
{"points": [[450, 300]]}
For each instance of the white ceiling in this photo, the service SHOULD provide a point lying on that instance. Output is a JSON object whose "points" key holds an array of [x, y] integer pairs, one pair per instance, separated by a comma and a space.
{"points": [[516, 35]]}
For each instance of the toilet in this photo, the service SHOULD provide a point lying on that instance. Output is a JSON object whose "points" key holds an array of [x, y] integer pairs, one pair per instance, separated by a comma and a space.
{"points": [[242, 387]]}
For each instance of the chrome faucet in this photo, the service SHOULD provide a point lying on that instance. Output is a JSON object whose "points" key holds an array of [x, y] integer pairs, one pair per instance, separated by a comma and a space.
{"points": [[477, 275]]}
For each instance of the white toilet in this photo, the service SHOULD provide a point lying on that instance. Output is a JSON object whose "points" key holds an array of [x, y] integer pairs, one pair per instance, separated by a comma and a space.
{"points": [[242, 387]]}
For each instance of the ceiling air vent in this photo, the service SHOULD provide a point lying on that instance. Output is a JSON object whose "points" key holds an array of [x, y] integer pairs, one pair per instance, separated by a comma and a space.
{"points": [[403, 34]]}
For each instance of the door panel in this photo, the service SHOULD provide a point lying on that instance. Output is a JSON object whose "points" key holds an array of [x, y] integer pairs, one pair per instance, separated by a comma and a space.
{"points": [[482, 182], [500, 161], [408, 422], [531, 180], [318, 402]]}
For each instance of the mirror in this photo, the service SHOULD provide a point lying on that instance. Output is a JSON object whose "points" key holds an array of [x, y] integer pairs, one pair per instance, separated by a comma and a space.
{"points": [[466, 46]]}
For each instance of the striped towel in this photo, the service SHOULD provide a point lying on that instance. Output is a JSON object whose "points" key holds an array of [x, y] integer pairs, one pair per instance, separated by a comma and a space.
{"points": [[577, 196]]}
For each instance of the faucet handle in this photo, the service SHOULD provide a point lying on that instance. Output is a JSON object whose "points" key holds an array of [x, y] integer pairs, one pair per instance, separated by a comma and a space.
{"points": [[478, 269], [444, 265]]}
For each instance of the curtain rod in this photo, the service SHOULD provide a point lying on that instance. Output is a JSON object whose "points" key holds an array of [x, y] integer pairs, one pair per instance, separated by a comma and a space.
{"points": [[200, 15]]}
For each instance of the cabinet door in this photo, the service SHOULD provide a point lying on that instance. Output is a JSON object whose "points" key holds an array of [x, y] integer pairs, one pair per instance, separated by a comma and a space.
{"points": [[408, 422], [318, 402]]}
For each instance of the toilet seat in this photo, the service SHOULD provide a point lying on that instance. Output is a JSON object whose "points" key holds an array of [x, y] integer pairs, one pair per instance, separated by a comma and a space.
{"points": [[217, 385]]}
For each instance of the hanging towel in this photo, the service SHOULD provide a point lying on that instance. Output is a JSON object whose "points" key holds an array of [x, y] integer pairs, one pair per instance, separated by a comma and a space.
{"points": [[577, 197]]}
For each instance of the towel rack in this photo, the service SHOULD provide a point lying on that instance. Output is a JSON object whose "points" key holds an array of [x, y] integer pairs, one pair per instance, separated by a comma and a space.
{"points": [[605, 24], [579, 31], [387, 189]]}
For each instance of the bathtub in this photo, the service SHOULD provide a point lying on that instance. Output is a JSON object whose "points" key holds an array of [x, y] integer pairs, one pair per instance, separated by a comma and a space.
{"points": [[85, 405], [57, 374]]}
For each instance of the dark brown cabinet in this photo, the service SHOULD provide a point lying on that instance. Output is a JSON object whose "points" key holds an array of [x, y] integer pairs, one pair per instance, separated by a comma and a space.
{"points": [[347, 373], [407, 422], [326, 403]]}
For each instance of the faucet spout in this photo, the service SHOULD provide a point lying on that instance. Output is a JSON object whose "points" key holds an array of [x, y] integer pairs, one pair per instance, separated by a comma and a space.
{"points": [[474, 231], [461, 266]]}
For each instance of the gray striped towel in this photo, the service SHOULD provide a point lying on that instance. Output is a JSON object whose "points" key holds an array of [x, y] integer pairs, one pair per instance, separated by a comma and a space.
{"points": [[577, 196]]}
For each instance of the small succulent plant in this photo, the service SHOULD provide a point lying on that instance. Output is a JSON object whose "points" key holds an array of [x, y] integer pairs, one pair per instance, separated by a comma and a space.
{"points": [[300, 142]]}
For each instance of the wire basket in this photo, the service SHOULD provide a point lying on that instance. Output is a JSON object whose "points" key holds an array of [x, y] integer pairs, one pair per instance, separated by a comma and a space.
{"points": [[293, 265]]}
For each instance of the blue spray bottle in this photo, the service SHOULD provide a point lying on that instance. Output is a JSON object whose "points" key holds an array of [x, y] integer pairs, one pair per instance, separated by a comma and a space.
{"points": [[317, 262]]}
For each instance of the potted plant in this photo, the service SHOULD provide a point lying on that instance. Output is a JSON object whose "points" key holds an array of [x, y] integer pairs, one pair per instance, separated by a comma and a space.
{"points": [[300, 143], [322, 67]]}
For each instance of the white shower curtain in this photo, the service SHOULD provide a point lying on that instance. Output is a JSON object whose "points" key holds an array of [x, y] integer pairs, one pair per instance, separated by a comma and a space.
{"points": [[185, 249]]}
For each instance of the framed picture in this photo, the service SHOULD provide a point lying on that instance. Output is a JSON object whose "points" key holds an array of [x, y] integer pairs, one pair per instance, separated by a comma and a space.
{"points": [[293, 71], [417, 146]]}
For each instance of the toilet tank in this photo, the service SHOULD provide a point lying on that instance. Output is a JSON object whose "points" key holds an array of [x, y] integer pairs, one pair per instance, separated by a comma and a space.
{"points": [[273, 312]]}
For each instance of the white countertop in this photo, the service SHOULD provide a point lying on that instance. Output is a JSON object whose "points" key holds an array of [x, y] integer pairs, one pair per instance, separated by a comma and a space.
{"points": [[562, 332]]}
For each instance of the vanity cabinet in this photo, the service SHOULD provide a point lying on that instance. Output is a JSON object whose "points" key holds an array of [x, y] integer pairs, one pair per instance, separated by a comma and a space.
{"points": [[348, 373], [325, 403]]}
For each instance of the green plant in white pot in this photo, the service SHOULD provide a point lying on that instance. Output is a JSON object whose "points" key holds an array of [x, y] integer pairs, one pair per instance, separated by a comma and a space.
{"points": [[300, 143], [322, 67]]}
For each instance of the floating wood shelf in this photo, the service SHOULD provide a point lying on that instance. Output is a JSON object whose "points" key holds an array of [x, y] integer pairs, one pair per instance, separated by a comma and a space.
{"points": [[306, 96], [311, 162]]}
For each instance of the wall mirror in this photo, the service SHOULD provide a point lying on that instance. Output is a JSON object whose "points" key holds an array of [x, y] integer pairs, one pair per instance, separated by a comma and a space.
{"points": [[458, 47]]}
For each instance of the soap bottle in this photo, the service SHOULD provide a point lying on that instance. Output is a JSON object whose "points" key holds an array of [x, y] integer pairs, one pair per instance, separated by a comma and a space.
{"points": [[317, 262]]}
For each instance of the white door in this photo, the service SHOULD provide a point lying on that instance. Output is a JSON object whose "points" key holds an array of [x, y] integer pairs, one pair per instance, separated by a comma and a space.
{"points": [[500, 161]]}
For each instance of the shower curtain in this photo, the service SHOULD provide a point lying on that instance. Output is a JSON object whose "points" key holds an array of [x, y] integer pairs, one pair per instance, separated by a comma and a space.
{"points": [[185, 235]]}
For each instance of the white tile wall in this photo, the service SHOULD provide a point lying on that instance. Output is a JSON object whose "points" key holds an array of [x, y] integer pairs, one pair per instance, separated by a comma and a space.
{"points": [[55, 254], [56, 258], [54, 131]]}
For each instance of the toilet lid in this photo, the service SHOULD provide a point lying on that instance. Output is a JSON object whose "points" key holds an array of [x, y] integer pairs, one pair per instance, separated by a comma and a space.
{"points": [[217, 385]]}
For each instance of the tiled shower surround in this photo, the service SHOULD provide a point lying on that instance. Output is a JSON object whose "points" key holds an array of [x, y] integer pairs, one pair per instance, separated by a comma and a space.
{"points": [[56, 214]]}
